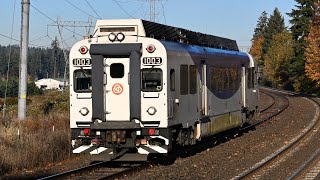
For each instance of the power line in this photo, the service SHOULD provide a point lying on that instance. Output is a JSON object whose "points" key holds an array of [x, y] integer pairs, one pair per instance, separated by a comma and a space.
{"points": [[53, 20], [19, 41], [80, 9], [93, 9], [123, 8], [8, 65]]}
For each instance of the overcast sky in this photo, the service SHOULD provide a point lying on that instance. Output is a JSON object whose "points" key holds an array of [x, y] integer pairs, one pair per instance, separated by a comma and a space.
{"points": [[232, 19]]}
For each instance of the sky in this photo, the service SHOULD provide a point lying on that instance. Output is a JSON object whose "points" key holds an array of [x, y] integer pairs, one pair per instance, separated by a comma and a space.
{"points": [[233, 19]]}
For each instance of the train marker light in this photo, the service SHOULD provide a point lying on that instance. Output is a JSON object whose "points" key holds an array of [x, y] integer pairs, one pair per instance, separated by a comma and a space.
{"points": [[120, 37], [151, 48], [143, 141], [83, 49], [112, 37]]}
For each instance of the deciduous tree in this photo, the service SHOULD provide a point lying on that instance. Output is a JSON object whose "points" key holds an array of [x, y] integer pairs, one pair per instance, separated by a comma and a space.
{"points": [[277, 59], [312, 51]]}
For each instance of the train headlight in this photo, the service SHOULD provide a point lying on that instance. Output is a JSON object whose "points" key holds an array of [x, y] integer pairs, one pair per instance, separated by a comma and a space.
{"points": [[152, 111], [84, 111], [112, 37], [120, 37]]}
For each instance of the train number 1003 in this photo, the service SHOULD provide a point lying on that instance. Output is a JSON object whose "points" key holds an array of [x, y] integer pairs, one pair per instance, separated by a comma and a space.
{"points": [[152, 61], [81, 62]]}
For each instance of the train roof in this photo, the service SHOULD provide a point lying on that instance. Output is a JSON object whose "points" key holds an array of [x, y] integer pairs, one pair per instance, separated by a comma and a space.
{"points": [[169, 33]]}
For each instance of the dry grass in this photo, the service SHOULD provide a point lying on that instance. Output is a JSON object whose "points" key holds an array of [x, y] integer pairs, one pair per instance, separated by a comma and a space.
{"points": [[38, 143]]}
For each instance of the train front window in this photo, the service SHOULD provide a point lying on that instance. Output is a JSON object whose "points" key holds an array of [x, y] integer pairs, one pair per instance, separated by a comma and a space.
{"points": [[82, 80], [151, 80]]}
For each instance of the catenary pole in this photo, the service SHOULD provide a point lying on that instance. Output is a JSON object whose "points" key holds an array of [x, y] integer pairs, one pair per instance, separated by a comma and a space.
{"points": [[24, 40]]}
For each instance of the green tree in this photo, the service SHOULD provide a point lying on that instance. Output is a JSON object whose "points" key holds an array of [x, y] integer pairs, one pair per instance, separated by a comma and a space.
{"points": [[274, 26], [258, 38], [260, 29], [278, 58], [300, 20]]}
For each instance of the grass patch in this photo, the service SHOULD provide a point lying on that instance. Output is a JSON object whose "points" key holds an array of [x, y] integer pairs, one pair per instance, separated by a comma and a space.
{"points": [[43, 138]]}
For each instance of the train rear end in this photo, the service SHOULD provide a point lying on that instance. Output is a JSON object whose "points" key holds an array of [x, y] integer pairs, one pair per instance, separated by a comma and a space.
{"points": [[126, 117]]}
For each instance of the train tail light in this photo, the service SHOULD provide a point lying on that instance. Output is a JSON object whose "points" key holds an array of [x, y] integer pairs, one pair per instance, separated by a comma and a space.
{"points": [[151, 48], [86, 131], [152, 131]]}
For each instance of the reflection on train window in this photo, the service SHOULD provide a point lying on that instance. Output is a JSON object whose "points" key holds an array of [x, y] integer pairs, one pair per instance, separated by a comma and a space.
{"points": [[82, 80], [193, 79], [172, 80], [224, 78], [250, 75], [117, 70], [151, 80], [184, 83]]}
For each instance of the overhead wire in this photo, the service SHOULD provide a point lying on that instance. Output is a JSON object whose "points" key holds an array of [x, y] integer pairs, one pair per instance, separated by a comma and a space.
{"points": [[123, 9], [81, 9], [8, 65], [54, 20], [93, 9], [10, 38]]}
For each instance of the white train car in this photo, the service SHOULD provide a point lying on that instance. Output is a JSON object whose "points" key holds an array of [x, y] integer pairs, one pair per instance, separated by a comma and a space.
{"points": [[138, 88]]}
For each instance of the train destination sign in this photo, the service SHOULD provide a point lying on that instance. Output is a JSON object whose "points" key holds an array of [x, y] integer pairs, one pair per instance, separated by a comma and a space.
{"points": [[155, 61], [81, 62]]}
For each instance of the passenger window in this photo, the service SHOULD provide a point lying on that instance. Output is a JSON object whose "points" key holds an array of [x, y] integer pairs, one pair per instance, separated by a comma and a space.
{"points": [[82, 80], [193, 79], [117, 70], [151, 80], [172, 80], [184, 79]]}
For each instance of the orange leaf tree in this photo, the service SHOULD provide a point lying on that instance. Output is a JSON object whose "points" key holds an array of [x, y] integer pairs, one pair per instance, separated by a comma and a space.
{"points": [[312, 51]]}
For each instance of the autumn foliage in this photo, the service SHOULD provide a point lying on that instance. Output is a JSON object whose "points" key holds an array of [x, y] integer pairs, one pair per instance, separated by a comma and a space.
{"points": [[277, 59], [312, 51], [256, 49]]}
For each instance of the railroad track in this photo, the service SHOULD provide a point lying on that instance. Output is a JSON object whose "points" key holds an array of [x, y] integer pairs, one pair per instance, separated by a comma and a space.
{"points": [[104, 170], [288, 151]]}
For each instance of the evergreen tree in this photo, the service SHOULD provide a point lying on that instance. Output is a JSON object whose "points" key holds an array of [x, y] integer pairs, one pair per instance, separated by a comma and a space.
{"points": [[258, 38], [260, 30], [275, 25], [301, 18]]}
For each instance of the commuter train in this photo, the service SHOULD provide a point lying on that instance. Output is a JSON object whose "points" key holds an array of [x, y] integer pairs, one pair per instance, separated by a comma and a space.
{"points": [[139, 89]]}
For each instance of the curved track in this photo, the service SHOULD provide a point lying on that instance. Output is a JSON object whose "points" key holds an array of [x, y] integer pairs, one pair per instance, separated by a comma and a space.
{"points": [[103, 170], [286, 151]]}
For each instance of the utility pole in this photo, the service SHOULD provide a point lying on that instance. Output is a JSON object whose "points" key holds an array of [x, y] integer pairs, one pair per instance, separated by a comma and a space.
{"points": [[22, 103]]}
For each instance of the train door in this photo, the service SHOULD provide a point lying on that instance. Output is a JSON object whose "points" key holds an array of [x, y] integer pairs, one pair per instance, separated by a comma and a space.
{"points": [[117, 89]]}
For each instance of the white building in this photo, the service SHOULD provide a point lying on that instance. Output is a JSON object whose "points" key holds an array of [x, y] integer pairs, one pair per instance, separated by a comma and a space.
{"points": [[49, 84]]}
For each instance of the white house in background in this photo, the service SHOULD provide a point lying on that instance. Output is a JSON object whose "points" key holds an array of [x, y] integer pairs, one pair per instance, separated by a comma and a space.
{"points": [[49, 84]]}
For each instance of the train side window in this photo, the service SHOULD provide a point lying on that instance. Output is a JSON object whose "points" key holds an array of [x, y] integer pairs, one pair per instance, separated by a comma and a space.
{"points": [[82, 80], [117, 70], [184, 79], [151, 80], [213, 79], [193, 79], [172, 80]]}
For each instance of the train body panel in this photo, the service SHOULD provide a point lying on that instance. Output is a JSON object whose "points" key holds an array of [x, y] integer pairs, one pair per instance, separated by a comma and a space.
{"points": [[132, 95]]}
